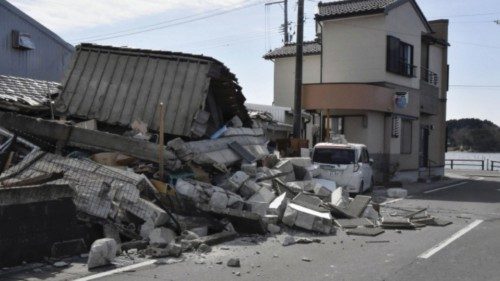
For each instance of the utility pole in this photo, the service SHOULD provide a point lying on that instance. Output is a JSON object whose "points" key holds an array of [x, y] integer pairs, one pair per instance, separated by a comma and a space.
{"points": [[285, 22], [297, 109]]}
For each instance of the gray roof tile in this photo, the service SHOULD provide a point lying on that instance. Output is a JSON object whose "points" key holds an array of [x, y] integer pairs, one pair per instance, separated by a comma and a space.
{"points": [[352, 7], [18, 92], [309, 48]]}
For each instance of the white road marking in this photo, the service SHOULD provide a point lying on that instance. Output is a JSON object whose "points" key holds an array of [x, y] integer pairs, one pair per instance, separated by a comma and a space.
{"points": [[427, 254], [445, 187], [114, 271]]}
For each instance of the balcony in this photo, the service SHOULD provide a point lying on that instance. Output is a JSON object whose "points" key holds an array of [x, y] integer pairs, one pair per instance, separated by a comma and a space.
{"points": [[428, 76]]}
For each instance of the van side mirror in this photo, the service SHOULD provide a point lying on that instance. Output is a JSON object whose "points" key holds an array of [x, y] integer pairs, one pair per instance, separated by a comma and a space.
{"points": [[371, 161]]}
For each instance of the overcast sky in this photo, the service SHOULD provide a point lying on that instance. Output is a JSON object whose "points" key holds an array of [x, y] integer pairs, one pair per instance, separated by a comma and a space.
{"points": [[239, 32]]}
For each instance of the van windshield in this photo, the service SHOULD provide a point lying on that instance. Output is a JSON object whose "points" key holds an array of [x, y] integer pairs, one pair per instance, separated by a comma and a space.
{"points": [[334, 156]]}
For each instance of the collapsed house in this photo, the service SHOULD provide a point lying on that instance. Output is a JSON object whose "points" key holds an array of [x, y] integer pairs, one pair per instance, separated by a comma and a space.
{"points": [[117, 86], [214, 179]]}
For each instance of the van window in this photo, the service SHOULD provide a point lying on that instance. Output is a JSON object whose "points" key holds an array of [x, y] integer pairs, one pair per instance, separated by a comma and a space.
{"points": [[334, 156]]}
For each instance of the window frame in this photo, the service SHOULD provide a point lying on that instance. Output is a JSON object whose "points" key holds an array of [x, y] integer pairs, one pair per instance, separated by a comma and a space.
{"points": [[398, 61]]}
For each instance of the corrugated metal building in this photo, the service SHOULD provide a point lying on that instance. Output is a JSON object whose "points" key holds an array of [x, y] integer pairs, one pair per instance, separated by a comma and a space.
{"points": [[118, 86], [28, 49]]}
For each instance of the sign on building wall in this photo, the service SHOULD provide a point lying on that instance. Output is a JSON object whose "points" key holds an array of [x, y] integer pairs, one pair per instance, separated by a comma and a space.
{"points": [[401, 99]]}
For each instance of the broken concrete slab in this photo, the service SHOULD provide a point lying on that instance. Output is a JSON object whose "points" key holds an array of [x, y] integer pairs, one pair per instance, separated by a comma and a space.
{"points": [[161, 236], [362, 231], [285, 166], [278, 205], [340, 198], [397, 192], [358, 205], [237, 180], [303, 217], [243, 221], [102, 252], [218, 238], [396, 223], [353, 223]]}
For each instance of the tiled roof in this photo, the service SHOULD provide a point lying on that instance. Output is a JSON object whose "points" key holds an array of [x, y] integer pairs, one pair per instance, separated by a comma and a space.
{"points": [[18, 92], [352, 7], [309, 48]]}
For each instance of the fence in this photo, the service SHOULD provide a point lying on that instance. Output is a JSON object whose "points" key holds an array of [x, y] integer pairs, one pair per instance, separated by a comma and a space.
{"points": [[482, 164]]}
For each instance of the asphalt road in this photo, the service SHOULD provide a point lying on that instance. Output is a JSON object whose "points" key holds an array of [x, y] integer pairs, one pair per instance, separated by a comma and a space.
{"points": [[472, 204], [473, 256]]}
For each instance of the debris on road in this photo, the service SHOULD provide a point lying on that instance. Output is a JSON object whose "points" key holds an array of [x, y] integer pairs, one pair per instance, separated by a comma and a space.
{"points": [[234, 262]]}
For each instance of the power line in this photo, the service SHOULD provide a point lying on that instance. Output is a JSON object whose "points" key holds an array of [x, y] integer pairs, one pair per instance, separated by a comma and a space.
{"points": [[159, 26]]}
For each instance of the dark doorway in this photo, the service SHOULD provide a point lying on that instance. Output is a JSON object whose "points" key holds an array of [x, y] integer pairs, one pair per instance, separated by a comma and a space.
{"points": [[424, 147]]}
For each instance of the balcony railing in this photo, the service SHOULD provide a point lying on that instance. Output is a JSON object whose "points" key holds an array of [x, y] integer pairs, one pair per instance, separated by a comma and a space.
{"points": [[429, 76], [407, 69]]}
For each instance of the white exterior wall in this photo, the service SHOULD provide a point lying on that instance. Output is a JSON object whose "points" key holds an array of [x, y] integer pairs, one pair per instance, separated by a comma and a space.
{"points": [[372, 135], [404, 23], [436, 61], [354, 49], [284, 77]]}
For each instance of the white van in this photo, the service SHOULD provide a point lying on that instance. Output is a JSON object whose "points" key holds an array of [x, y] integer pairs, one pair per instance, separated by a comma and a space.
{"points": [[347, 164]]}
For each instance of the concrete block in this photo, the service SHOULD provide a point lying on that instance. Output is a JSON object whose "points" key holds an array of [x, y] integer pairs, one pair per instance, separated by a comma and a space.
{"points": [[330, 185], [187, 189], [301, 186], [249, 188], [161, 236], [307, 218], [147, 210], [249, 169], [322, 191], [278, 205], [273, 229], [397, 192], [263, 195], [289, 216], [219, 200], [340, 198], [146, 229], [299, 161], [102, 252], [286, 166], [257, 207], [237, 180]]}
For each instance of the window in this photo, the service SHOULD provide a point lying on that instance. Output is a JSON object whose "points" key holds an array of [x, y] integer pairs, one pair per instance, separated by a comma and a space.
{"points": [[406, 136], [399, 57], [22, 41], [339, 156]]}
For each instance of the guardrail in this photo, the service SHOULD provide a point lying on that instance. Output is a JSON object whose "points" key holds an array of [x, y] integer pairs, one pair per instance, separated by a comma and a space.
{"points": [[465, 162], [494, 165]]}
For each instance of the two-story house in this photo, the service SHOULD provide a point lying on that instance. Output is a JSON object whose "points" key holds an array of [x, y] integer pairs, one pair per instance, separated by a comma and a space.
{"points": [[377, 73]]}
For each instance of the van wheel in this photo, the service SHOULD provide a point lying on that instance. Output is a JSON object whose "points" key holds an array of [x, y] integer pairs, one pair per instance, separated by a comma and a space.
{"points": [[361, 187], [372, 184]]}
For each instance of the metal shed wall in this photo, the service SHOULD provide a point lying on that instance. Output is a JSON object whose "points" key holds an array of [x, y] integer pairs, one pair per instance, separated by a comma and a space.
{"points": [[46, 62], [118, 86]]}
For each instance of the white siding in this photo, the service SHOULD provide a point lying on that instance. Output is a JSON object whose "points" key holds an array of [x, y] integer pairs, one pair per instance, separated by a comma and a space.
{"points": [[284, 77], [354, 50], [404, 23], [436, 61]]}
